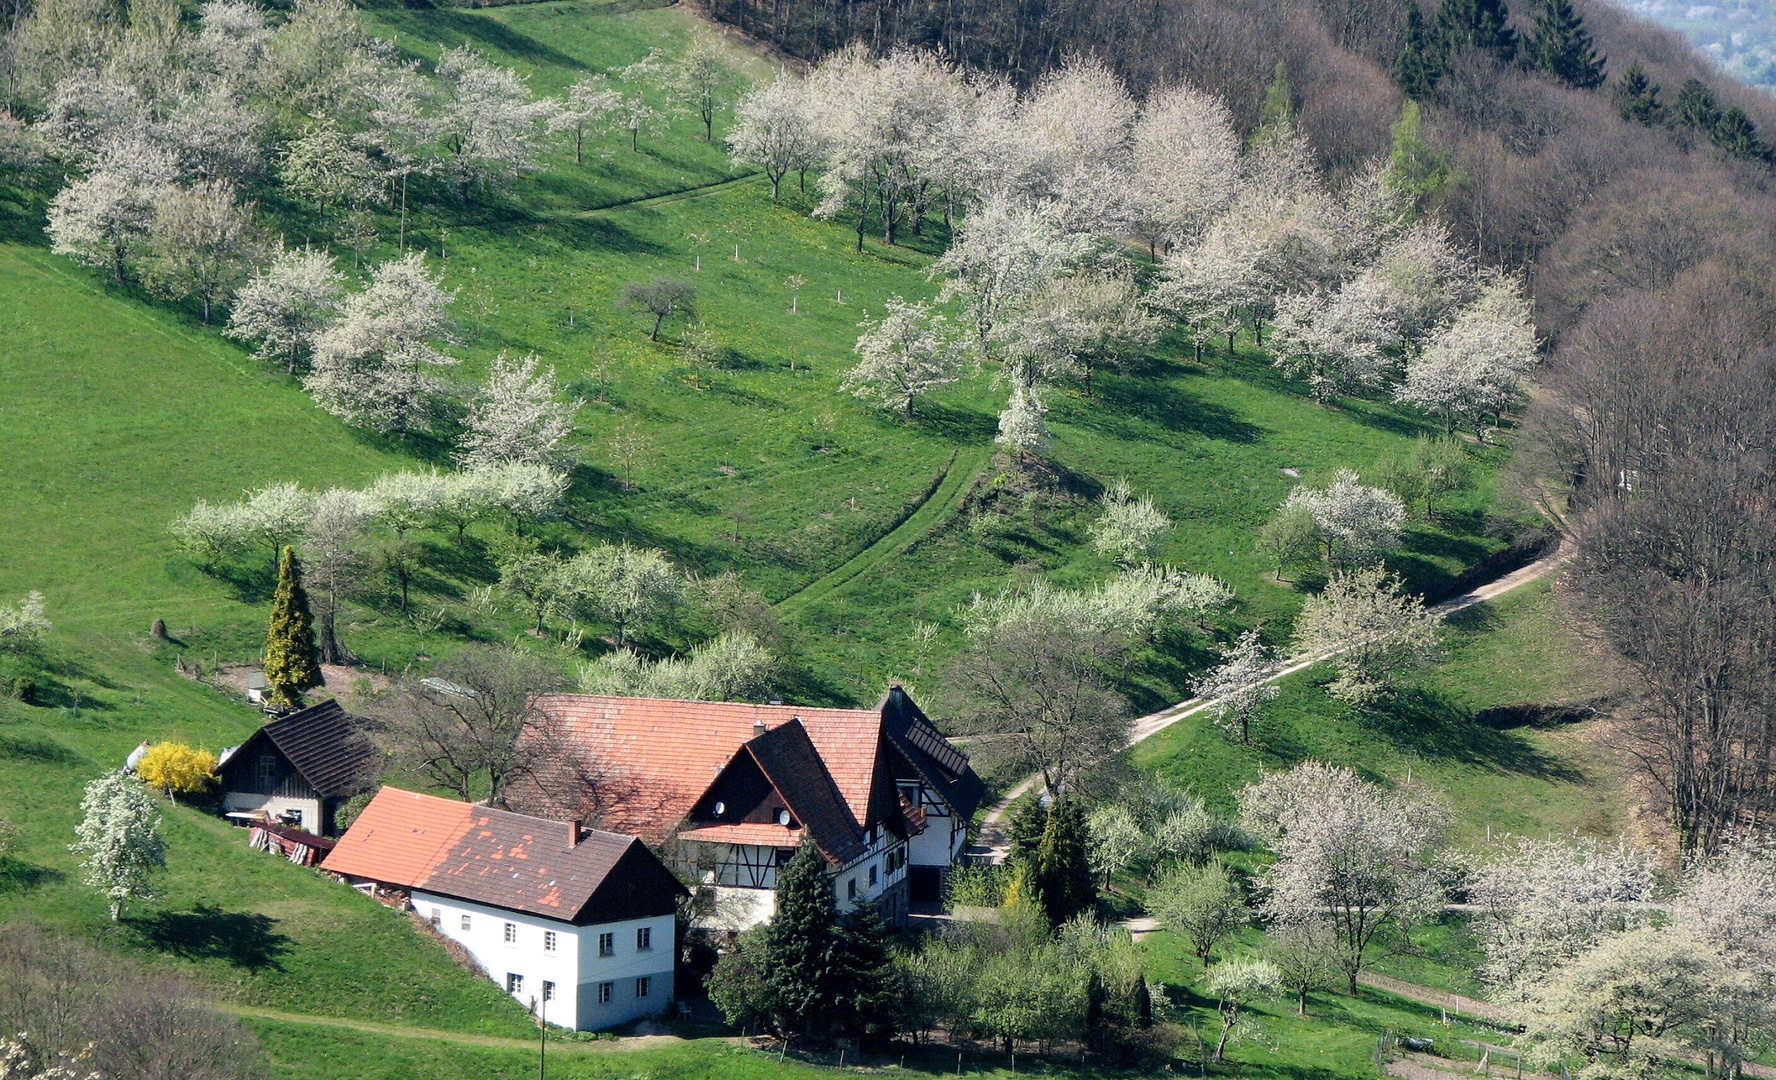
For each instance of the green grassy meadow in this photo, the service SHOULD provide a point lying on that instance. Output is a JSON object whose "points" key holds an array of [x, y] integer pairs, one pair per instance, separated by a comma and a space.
{"points": [[118, 413]]}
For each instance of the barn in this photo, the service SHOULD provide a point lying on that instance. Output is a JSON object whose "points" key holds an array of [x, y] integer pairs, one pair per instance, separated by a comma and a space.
{"points": [[299, 768]]}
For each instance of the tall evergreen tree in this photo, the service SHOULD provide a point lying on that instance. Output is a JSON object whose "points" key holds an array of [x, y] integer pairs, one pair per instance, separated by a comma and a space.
{"points": [[292, 660], [1414, 165], [1735, 133], [1476, 24], [1696, 108], [1063, 871], [1025, 829], [800, 955], [863, 986], [1637, 97], [1279, 104], [1420, 63], [1559, 45]]}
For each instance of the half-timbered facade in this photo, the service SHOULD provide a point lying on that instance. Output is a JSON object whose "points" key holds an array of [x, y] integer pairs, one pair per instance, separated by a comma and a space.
{"points": [[298, 768], [730, 791]]}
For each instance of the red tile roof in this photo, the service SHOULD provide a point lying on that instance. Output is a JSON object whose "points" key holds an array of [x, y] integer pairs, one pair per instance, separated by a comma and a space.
{"points": [[672, 750], [762, 833], [496, 857]]}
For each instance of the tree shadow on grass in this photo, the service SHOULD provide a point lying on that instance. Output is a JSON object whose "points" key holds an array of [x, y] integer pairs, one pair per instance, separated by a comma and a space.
{"points": [[1163, 404], [243, 939], [38, 749], [17, 875], [1430, 725], [955, 423]]}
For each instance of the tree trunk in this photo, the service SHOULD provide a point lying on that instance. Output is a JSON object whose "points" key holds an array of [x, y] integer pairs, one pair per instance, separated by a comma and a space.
{"points": [[403, 241], [635, 139], [1230, 334], [655, 336], [330, 651]]}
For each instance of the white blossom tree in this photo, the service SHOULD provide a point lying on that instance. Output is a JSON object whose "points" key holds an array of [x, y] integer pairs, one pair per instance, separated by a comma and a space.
{"points": [[402, 126], [333, 557], [1361, 857], [634, 115], [23, 626], [1543, 902], [325, 164], [1372, 630], [1237, 687], [908, 352], [774, 130], [1128, 528], [202, 242], [1358, 524], [630, 586], [1184, 166], [288, 303], [495, 131], [1114, 840], [517, 417], [119, 840], [1074, 131], [1021, 425], [587, 108], [698, 82], [371, 366], [1475, 365], [101, 220]]}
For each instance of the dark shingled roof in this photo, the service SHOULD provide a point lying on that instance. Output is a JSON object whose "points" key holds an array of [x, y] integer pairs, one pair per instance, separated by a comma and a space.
{"points": [[787, 756], [322, 744], [942, 765], [504, 860]]}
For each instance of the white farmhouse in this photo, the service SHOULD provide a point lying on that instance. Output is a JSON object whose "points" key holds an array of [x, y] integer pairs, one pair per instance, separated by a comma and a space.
{"points": [[575, 923]]}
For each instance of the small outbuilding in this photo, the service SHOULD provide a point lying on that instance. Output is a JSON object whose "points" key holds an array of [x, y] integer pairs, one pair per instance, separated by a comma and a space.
{"points": [[576, 924], [298, 769]]}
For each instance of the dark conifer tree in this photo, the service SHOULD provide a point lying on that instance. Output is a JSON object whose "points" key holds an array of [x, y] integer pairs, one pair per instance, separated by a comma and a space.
{"points": [[1735, 133], [800, 954], [1696, 108], [1637, 97], [1420, 63], [1063, 873], [1476, 24], [1025, 828], [292, 661], [863, 986], [1559, 45]]}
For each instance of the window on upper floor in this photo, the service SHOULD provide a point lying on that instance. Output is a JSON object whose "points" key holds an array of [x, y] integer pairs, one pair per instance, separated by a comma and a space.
{"points": [[872, 875], [548, 941], [514, 983], [644, 939], [267, 767], [851, 889], [465, 922], [607, 944], [437, 918], [511, 933]]}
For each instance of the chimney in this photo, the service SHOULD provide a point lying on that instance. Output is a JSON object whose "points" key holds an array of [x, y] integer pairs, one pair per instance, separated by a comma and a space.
{"points": [[758, 727], [574, 833]]}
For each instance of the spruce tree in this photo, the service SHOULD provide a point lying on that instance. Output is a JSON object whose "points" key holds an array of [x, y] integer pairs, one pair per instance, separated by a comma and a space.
{"points": [[1025, 828], [1637, 97], [1696, 107], [1279, 104], [800, 954], [1420, 63], [1559, 45], [292, 661], [1063, 872], [1476, 24], [1414, 165], [863, 991], [1735, 133]]}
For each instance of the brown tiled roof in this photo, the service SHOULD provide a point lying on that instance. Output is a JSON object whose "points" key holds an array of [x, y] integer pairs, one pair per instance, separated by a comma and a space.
{"points": [[795, 769], [502, 859], [670, 751], [323, 745]]}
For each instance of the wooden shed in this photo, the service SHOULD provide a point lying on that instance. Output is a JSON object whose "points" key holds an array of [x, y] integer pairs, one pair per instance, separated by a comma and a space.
{"points": [[299, 768]]}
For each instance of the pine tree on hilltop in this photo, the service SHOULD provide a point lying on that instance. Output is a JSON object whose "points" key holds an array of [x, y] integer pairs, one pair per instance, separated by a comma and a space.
{"points": [[1477, 24], [1063, 871], [800, 953], [292, 660], [1420, 63], [1637, 97], [1559, 45]]}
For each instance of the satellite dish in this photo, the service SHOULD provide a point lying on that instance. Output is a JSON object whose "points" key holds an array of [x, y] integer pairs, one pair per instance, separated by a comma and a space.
{"points": [[783, 818], [721, 808]]}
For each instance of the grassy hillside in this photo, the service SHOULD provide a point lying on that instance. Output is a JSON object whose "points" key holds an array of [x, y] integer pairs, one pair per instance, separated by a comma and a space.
{"points": [[117, 413]]}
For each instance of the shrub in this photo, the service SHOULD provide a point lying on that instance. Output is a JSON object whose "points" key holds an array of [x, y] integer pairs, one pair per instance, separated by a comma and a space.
{"points": [[177, 769], [24, 688]]}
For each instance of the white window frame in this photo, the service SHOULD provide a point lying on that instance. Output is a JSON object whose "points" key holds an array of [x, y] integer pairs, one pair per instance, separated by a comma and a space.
{"points": [[465, 921], [607, 943], [644, 939], [548, 941], [641, 987], [548, 990], [514, 983], [606, 991], [511, 934]]}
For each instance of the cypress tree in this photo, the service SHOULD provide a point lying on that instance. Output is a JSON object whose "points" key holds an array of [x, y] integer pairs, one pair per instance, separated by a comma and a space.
{"points": [[1420, 63], [292, 661], [1559, 45], [1637, 97], [800, 943], [1063, 873]]}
